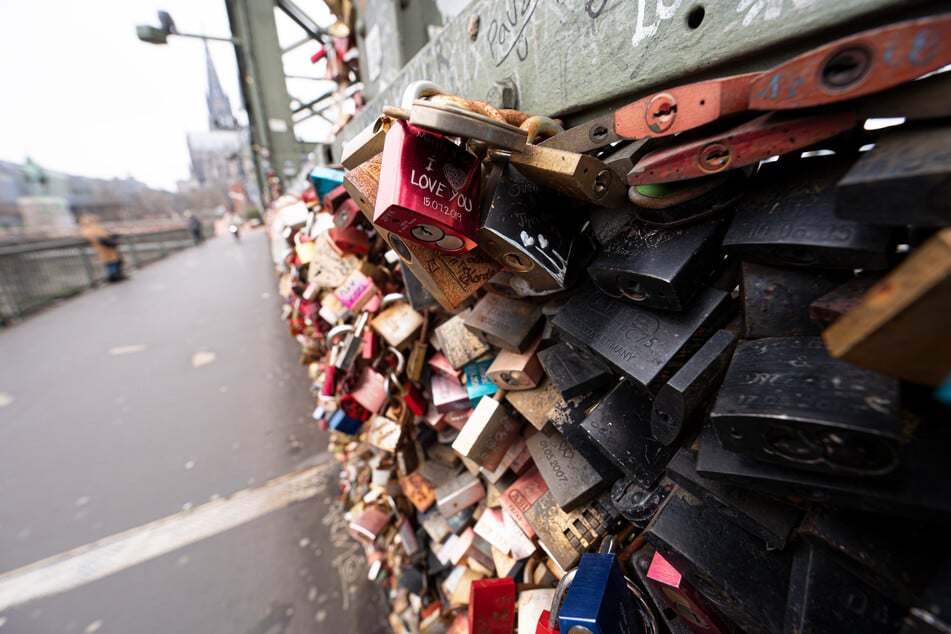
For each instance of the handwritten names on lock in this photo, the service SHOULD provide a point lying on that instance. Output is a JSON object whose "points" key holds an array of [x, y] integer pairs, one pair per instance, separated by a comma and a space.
{"points": [[355, 291]]}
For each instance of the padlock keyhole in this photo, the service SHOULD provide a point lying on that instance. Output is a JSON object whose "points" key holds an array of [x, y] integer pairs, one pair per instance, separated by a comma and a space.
{"points": [[846, 67]]}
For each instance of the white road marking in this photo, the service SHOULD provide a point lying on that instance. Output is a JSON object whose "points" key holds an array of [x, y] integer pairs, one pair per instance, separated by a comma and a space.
{"points": [[94, 561], [202, 358], [5, 399], [118, 350]]}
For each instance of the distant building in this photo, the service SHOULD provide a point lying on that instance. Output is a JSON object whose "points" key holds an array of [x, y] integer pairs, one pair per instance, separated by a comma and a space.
{"points": [[221, 156]]}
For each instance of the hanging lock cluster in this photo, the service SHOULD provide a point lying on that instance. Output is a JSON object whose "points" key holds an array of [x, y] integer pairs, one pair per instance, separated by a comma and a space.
{"points": [[699, 332]]}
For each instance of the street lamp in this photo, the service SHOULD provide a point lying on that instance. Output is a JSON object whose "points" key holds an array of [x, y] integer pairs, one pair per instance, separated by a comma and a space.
{"points": [[252, 100]]}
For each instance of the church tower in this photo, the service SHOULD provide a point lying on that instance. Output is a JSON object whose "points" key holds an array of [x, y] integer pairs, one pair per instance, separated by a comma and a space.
{"points": [[220, 116]]}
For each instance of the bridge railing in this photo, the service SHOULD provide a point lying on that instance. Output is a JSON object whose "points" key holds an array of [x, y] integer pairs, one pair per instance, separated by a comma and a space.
{"points": [[37, 274]]}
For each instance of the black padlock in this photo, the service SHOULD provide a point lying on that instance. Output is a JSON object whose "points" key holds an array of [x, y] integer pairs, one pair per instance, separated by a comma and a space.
{"points": [[776, 300], [768, 518], [824, 596], [914, 490], [620, 427], [730, 567], [567, 416], [573, 370], [644, 345], [683, 398], [675, 616], [638, 503], [786, 400], [904, 180], [655, 267], [932, 612], [788, 219], [865, 544], [571, 479], [528, 228]]}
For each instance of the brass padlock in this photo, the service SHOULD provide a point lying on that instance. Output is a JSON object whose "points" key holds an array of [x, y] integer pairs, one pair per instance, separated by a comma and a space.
{"points": [[451, 280], [516, 371], [417, 354], [504, 322], [458, 343]]}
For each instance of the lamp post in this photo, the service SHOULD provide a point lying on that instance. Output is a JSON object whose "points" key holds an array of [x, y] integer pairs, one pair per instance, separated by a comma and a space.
{"points": [[260, 141]]}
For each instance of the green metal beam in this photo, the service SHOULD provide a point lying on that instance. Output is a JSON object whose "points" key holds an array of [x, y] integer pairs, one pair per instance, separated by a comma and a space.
{"points": [[558, 58]]}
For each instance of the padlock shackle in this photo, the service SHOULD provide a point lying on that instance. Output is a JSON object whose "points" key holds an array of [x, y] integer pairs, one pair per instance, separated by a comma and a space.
{"points": [[418, 90], [334, 332], [561, 591], [391, 298]]}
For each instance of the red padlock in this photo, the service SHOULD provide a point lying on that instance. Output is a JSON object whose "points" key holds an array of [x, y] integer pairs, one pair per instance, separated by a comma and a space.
{"points": [[334, 198], [543, 627], [492, 606], [429, 190], [347, 214], [350, 240], [414, 399]]}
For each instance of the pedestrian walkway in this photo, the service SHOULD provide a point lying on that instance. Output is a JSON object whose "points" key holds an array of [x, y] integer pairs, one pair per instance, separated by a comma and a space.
{"points": [[146, 429]]}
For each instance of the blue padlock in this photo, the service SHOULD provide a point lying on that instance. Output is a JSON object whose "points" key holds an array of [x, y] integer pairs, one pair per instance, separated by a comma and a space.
{"points": [[478, 383], [345, 424], [598, 600], [325, 179]]}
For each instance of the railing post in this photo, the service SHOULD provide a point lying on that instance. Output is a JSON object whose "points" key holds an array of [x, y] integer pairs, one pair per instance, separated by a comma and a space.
{"points": [[133, 255]]}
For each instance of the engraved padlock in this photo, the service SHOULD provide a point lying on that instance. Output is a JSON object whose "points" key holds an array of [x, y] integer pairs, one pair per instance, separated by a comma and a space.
{"points": [[429, 190], [397, 321], [522, 229]]}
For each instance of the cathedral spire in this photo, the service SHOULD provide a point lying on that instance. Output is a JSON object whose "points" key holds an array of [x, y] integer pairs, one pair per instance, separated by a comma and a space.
{"points": [[220, 116]]}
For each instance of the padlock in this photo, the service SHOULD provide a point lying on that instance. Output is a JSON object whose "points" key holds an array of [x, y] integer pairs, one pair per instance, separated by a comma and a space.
{"points": [[787, 218], [535, 246], [620, 428], [369, 525], [665, 608], [571, 479], [531, 604], [865, 545], [896, 329], [908, 492], [824, 310], [325, 179], [693, 609], [417, 354], [638, 503], [439, 364], [567, 416], [655, 267], [356, 291], [534, 405], [419, 491], [707, 549], [349, 240], [329, 269], [573, 370], [448, 394], [458, 343], [478, 383], [565, 536], [488, 434], [435, 525], [785, 400], [332, 200], [683, 202], [491, 528], [407, 452], [820, 587], [578, 176], [429, 190], [517, 451], [384, 433], [598, 600], [683, 398], [766, 517], [645, 346], [417, 294], [350, 347], [449, 279], [516, 371], [348, 215], [341, 422], [907, 169], [366, 144], [931, 611], [776, 300], [522, 494], [370, 390], [504, 322], [397, 321], [459, 493]]}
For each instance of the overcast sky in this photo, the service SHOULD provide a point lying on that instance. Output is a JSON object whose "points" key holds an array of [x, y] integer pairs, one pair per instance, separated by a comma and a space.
{"points": [[81, 94]]}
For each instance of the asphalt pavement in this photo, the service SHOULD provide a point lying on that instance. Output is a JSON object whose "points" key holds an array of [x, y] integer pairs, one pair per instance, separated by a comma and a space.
{"points": [[146, 400]]}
